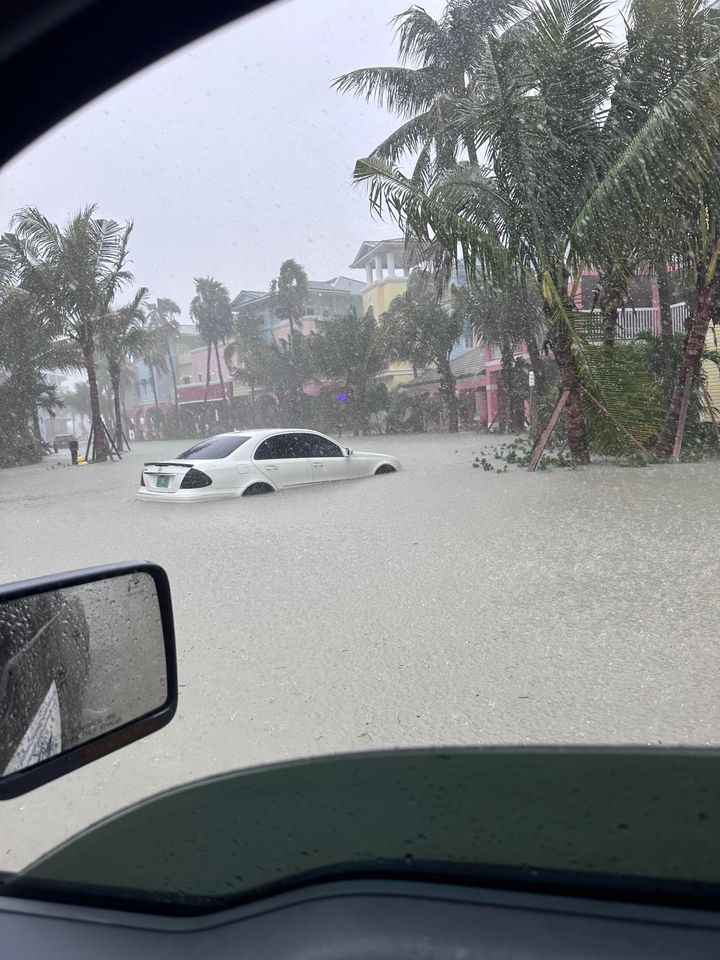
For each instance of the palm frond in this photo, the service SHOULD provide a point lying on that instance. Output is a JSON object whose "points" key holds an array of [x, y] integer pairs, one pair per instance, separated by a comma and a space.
{"points": [[399, 90], [630, 402], [666, 166], [420, 36]]}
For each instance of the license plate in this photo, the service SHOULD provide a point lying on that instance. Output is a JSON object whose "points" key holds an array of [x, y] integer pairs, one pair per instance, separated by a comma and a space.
{"points": [[163, 481]]}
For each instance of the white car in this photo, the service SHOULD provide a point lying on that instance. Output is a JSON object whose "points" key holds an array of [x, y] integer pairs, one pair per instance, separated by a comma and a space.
{"points": [[248, 462]]}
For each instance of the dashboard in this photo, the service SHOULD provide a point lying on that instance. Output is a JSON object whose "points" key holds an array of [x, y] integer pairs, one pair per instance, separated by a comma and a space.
{"points": [[363, 920]]}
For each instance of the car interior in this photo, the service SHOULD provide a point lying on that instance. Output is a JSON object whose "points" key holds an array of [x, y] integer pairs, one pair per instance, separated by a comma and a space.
{"points": [[345, 838]]}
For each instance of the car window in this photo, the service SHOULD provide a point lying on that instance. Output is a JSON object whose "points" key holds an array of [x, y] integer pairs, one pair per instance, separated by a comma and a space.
{"points": [[321, 447], [285, 446], [216, 448]]}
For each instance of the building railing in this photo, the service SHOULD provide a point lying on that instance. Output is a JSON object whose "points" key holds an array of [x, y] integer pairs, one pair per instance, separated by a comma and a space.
{"points": [[634, 320]]}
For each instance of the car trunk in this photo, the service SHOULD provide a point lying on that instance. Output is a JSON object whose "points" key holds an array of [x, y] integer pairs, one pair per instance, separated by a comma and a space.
{"points": [[164, 477]]}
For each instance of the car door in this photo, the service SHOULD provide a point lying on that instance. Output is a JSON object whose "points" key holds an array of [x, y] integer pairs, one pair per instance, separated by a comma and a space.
{"points": [[327, 459], [283, 459]]}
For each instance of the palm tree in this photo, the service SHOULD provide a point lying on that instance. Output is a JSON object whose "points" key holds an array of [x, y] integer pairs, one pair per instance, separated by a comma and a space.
{"points": [[351, 350], [75, 273], [420, 330], [438, 59], [664, 184], [566, 183], [154, 358], [291, 290], [124, 337], [239, 353], [210, 308], [30, 345], [162, 320], [502, 316], [78, 400]]}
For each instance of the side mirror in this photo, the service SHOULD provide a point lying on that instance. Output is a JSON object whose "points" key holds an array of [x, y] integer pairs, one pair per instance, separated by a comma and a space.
{"points": [[87, 665], [348, 452]]}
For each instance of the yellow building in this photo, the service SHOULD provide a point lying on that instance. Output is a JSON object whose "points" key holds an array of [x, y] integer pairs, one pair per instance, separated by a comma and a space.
{"points": [[386, 277], [711, 371]]}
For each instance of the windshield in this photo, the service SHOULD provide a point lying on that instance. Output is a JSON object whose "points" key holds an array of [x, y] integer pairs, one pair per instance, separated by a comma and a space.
{"points": [[478, 244], [216, 448]]}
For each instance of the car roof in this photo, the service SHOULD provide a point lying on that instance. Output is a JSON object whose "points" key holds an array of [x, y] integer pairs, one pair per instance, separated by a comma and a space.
{"points": [[262, 432]]}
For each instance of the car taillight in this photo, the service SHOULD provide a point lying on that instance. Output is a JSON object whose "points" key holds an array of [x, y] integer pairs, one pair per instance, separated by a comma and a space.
{"points": [[195, 478], [142, 479]]}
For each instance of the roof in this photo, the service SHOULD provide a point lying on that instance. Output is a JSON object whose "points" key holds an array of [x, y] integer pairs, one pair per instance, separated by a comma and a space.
{"points": [[467, 365], [248, 296], [344, 284], [334, 284], [369, 248]]}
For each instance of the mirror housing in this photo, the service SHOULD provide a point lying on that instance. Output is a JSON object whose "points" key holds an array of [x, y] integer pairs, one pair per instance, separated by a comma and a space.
{"points": [[348, 452], [87, 665]]}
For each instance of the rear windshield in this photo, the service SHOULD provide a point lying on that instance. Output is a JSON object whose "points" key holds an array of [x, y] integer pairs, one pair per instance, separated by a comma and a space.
{"points": [[213, 449]]}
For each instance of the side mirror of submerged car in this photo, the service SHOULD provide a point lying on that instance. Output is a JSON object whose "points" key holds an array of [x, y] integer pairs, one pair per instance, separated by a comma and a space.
{"points": [[348, 452], [87, 665]]}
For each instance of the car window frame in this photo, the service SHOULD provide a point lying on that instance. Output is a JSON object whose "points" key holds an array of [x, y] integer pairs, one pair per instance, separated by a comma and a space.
{"points": [[324, 456], [279, 436]]}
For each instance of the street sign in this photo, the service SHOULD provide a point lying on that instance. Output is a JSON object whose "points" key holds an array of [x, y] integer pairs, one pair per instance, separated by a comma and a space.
{"points": [[531, 378]]}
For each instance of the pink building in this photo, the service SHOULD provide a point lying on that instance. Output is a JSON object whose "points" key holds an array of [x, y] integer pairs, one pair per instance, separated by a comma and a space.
{"points": [[477, 372]]}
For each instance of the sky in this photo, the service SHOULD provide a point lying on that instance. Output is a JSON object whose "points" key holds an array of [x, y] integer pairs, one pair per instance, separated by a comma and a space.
{"points": [[231, 155]]}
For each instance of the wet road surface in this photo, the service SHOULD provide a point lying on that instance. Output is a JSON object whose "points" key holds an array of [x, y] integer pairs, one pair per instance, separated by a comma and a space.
{"points": [[442, 605]]}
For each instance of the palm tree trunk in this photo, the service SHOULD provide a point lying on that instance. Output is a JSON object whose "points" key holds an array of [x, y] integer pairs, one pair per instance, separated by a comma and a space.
{"points": [[114, 371], [574, 419], [153, 382], [36, 424], [125, 417], [447, 389], [220, 375], [175, 393], [98, 428], [471, 151], [533, 352], [506, 397], [612, 291], [689, 369], [207, 387]]}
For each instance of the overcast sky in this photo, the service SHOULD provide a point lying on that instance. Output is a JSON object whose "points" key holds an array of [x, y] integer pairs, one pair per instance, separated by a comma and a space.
{"points": [[230, 156]]}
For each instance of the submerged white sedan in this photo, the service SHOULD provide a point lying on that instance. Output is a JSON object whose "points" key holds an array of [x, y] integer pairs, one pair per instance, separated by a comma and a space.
{"points": [[248, 462]]}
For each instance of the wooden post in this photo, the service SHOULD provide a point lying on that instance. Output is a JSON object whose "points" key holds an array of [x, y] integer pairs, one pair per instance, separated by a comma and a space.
{"points": [[113, 447], [539, 448], [683, 417]]}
